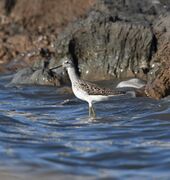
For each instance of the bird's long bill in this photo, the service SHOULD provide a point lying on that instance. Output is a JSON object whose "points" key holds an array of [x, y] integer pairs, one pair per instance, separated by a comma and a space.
{"points": [[56, 67]]}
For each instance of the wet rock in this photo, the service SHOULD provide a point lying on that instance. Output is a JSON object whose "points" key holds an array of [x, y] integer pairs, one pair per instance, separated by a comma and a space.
{"points": [[158, 85], [104, 46], [119, 39], [22, 77], [38, 77], [43, 78], [39, 73], [116, 39]]}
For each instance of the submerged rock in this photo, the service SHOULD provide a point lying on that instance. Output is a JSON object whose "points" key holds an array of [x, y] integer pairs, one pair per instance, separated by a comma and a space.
{"points": [[30, 76], [22, 77]]}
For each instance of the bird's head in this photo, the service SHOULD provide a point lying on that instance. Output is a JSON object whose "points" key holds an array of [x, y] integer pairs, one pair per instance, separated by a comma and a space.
{"points": [[65, 63]]}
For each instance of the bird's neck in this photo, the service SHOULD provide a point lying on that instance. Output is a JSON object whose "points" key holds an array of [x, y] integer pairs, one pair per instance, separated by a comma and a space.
{"points": [[72, 74]]}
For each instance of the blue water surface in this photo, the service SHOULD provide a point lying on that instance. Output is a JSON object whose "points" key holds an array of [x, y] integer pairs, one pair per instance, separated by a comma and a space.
{"points": [[44, 133]]}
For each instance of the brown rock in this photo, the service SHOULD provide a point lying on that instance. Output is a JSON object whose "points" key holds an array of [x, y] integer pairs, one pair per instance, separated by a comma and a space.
{"points": [[44, 13], [19, 44], [159, 86], [27, 26], [5, 54], [159, 77]]}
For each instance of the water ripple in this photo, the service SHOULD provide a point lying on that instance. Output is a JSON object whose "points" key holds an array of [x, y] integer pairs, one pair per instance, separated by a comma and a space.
{"points": [[43, 132]]}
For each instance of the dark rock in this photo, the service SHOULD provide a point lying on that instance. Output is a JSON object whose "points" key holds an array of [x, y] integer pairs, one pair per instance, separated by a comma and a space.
{"points": [[158, 85], [106, 46], [29, 76], [22, 77], [159, 79], [9, 5], [117, 39]]}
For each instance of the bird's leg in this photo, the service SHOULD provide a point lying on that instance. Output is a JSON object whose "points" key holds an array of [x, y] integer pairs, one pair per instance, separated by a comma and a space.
{"points": [[93, 112], [90, 111]]}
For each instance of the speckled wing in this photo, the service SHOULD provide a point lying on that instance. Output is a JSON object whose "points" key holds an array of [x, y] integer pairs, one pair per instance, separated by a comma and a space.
{"points": [[93, 89]]}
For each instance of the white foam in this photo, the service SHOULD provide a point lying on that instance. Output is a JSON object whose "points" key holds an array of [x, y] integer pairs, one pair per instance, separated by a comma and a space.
{"points": [[134, 83]]}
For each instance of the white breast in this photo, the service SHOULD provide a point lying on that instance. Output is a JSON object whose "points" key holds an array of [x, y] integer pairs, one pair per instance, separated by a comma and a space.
{"points": [[79, 93]]}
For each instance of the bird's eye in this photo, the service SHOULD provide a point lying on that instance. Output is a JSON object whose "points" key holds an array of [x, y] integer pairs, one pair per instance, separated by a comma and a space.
{"points": [[67, 62]]}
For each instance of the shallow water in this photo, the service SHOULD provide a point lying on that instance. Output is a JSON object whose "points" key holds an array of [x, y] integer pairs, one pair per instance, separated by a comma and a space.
{"points": [[41, 136]]}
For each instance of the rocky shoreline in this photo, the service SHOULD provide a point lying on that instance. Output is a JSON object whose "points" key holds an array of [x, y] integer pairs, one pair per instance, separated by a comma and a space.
{"points": [[113, 39], [28, 26]]}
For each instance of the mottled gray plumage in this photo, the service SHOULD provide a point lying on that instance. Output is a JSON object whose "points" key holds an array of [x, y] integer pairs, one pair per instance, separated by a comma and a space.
{"points": [[93, 89]]}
